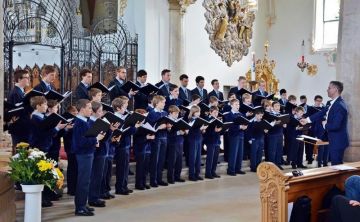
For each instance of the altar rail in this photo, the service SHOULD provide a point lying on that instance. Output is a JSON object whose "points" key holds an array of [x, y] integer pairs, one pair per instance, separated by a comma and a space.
{"points": [[277, 189]]}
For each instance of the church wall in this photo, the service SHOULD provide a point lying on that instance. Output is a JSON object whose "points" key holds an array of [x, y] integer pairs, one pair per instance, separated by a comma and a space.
{"points": [[294, 22]]}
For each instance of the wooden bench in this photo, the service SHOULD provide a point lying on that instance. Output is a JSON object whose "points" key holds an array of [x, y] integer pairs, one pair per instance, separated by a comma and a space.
{"points": [[277, 189]]}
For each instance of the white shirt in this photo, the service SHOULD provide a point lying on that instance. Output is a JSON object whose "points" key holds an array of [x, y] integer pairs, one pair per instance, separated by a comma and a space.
{"points": [[331, 104]]}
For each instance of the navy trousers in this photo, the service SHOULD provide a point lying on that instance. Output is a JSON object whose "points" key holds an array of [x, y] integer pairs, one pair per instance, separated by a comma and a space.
{"points": [[96, 178], [236, 151], [85, 162], [142, 169], [194, 157], [122, 156], [257, 147], [71, 175], [323, 155], [175, 152], [211, 159], [296, 152], [275, 148], [336, 156], [105, 185]]}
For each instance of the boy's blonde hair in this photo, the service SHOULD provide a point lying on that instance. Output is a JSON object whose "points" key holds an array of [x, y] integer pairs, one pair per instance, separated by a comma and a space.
{"points": [[194, 109], [157, 99], [245, 96], [37, 101], [173, 109], [119, 102]]}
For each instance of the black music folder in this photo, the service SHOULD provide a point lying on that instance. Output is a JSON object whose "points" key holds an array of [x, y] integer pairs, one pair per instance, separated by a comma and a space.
{"points": [[198, 122], [149, 89], [240, 120], [129, 85], [52, 121], [132, 119], [102, 87], [98, 126], [112, 118]]}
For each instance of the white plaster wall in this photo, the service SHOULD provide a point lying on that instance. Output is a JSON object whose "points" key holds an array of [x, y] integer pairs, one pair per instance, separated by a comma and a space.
{"points": [[46, 55], [294, 23]]}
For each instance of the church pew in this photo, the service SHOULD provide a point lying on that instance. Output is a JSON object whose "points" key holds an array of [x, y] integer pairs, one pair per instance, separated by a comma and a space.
{"points": [[277, 189]]}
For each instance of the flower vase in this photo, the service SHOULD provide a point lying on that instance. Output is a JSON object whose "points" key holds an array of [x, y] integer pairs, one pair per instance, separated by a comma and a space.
{"points": [[32, 202]]}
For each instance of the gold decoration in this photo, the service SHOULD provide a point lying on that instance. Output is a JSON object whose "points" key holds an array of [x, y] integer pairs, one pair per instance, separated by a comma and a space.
{"points": [[230, 27], [312, 69], [184, 4], [264, 70]]}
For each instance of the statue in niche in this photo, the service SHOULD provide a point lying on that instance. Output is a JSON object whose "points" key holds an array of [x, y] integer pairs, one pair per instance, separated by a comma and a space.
{"points": [[229, 25]]}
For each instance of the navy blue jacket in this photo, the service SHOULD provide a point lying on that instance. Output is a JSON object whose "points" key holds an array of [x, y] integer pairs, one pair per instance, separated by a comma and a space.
{"points": [[291, 131], [125, 141], [41, 139], [277, 129], [152, 118], [80, 143], [117, 90], [163, 90], [81, 92], [336, 126], [254, 133], [41, 87], [234, 130], [235, 91], [19, 128], [194, 134], [140, 99], [169, 102], [210, 136], [204, 98], [213, 93], [184, 95]]}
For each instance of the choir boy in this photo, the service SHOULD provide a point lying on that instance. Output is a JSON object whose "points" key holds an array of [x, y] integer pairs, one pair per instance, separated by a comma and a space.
{"points": [[195, 143], [122, 149], [48, 76], [173, 98], [275, 138], [95, 95], [294, 130], [256, 140], [42, 138], [200, 90], [140, 99], [84, 148], [319, 132], [142, 148], [236, 140], [227, 107], [175, 149], [213, 101], [159, 145], [17, 126], [71, 173], [283, 100], [81, 91], [212, 141], [215, 92]]}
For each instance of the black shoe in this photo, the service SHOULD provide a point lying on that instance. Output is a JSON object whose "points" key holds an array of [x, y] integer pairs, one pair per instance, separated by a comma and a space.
{"points": [[209, 177], [325, 165], [231, 174], [84, 213], [302, 166], [199, 178], [122, 192], [106, 196], [131, 173], [215, 175], [153, 185], [90, 209], [240, 172], [319, 166], [310, 161], [139, 188], [162, 183], [147, 186], [129, 191], [280, 167], [46, 203], [293, 166], [180, 180], [97, 204], [192, 178], [55, 196]]}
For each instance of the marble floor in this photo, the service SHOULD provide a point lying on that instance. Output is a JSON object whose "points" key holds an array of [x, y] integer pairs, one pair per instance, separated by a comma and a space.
{"points": [[225, 199]]}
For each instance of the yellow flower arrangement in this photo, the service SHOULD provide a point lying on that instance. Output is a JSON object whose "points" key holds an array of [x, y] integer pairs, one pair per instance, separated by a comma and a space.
{"points": [[60, 181], [44, 165], [22, 145]]}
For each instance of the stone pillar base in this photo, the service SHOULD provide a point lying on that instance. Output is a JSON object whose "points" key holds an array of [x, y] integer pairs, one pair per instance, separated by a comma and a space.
{"points": [[352, 154]]}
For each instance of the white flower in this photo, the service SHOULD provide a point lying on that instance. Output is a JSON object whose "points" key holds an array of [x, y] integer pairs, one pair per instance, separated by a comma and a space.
{"points": [[36, 154], [16, 156], [56, 176]]}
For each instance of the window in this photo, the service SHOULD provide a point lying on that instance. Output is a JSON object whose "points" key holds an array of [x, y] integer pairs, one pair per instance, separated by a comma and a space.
{"points": [[326, 24]]}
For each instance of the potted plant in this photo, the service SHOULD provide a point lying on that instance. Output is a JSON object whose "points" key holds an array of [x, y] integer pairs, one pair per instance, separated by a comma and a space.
{"points": [[31, 168]]}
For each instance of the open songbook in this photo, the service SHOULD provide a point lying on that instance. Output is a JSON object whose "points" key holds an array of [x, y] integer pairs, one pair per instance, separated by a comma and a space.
{"points": [[100, 125], [53, 95], [102, 87], [198, 122], [312, 140]]}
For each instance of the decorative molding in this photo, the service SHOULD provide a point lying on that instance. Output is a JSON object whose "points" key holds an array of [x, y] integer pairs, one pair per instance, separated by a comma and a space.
{"points": [[230, 28]]}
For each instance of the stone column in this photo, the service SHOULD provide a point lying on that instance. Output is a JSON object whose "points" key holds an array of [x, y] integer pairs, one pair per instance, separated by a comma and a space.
{"points": [[348, 69], [177, 9]]}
